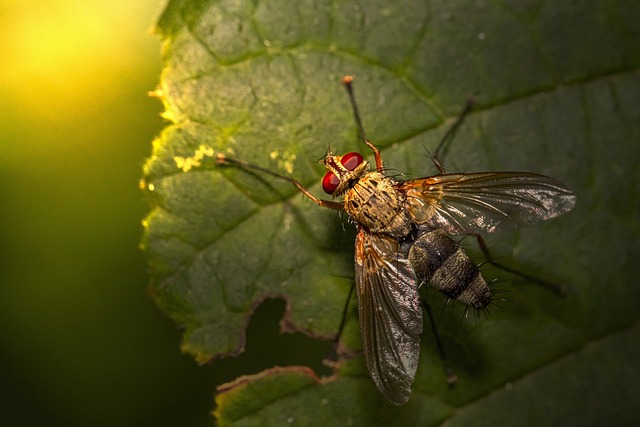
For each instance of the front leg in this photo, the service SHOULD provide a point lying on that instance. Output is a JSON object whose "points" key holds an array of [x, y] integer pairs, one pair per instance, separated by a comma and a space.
{"points": [[221, 159]]}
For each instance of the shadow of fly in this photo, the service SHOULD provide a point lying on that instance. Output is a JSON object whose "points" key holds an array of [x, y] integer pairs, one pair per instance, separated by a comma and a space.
{"points": [[403, 240]]}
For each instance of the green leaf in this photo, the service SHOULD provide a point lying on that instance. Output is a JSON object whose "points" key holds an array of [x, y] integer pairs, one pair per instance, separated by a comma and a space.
{"points": [[557, 86]]}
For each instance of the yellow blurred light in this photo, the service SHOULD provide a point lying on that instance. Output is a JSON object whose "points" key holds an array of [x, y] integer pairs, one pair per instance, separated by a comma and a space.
{"points": [[61, 57]]}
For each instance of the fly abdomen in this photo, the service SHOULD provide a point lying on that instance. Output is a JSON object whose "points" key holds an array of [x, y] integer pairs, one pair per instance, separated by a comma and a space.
{"points": [[439, 261]]}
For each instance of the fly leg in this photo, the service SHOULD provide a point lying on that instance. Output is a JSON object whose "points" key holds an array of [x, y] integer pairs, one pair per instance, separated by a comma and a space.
{"points": [[332, 356], [221, 159], [558, 289], [347, 81], [448, 372], [435, 157]]}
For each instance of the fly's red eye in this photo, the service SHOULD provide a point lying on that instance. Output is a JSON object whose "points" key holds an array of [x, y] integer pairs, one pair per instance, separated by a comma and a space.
{"points": [[330, 182], [351, 160]]}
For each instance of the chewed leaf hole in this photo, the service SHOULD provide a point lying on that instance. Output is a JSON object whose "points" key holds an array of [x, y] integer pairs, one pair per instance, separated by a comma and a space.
{"points": [[267, 347]]}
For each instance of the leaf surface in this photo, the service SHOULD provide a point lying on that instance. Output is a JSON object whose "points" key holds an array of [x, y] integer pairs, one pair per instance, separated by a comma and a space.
{"points": [[557, 88]]}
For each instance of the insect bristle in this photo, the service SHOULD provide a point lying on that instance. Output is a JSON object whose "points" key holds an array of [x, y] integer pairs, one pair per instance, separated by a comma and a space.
{"points": [[397, 175]]}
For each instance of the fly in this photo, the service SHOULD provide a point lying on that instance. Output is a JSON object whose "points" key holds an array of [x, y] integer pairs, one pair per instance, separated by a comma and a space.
{"points": [[403, 240]]}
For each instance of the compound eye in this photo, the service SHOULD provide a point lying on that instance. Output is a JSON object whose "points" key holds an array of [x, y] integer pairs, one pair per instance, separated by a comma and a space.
{"points": [[330, 182], [351, 160]]}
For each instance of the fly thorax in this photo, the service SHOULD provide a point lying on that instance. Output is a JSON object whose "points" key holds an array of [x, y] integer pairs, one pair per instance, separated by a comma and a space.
{"points": [[374, 202]]}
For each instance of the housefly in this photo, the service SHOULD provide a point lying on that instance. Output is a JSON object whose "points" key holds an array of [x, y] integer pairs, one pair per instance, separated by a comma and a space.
{"points": [[403, 240]]}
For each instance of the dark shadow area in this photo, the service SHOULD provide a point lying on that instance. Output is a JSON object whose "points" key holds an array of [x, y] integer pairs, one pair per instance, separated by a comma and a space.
{"points": [[266, 347]]}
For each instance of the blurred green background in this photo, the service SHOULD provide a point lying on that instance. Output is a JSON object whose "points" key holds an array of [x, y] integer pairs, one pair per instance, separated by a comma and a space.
{"points": [[81, 342]]}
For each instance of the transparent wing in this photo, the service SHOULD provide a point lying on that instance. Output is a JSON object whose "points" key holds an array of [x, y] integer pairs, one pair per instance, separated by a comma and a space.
{"points": [[390, 315], [485, 202]]}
